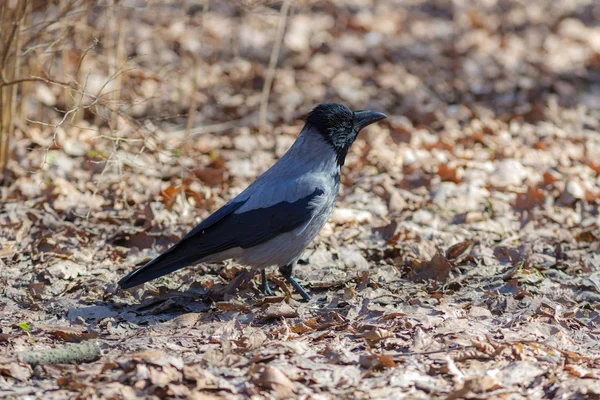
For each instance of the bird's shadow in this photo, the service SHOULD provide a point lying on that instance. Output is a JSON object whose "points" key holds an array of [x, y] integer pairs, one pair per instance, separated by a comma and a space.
{"points": [[157, 307]]}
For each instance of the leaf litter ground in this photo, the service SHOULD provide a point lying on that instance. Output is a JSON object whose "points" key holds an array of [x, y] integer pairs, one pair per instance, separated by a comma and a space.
{"points": [[462, 259]]}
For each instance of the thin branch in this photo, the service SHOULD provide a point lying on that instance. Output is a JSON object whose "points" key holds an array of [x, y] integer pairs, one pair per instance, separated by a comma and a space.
{"points": [[192, 107], [266, 91], [35, 79]]}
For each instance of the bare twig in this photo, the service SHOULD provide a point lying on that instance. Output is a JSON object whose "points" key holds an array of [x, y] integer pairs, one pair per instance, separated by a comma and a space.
{"points": [[192, 108], [35, 79], [266, 91]]}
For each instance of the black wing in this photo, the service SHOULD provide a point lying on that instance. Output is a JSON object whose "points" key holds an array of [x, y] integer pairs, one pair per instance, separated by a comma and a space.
{"points": [[225, 230]]}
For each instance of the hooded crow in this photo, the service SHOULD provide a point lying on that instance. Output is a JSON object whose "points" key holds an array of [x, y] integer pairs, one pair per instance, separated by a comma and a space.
{"points": [[273, 220]]}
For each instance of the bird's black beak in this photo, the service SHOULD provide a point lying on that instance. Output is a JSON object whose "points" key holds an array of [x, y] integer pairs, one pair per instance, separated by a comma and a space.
{"points": [[365, 118]]}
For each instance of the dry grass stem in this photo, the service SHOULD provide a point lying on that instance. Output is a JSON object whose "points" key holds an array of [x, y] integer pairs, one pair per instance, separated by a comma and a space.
{"points": [[270, 75]]}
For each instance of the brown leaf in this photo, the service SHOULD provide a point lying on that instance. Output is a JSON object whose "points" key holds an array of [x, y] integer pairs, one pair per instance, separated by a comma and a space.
{"points": [[386, 231], [252, 338], [448, 174], [484, 347], [386, 361], [392, 316], [581, 372], [530, 199], [551, 177], [458, 249], [232, 306], [169, 195], [586, 236], [164, 375], [157, 358], [68, 334], [300, 328], [375, 334], [211, 176], [376, 361], [11, 367], [73, 335], [400, 135], [437, 269], [271, 378], [185, 320], [476, 385], [279, 310]]}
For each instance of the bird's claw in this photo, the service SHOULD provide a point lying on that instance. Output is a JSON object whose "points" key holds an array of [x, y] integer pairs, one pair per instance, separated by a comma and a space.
{"points": [[298, 288], [286, 271], [264, 285]]}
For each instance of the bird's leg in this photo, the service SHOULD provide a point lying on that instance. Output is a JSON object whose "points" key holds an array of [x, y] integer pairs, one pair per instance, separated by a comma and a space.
{"points": [[286, 271], [266, 289]]}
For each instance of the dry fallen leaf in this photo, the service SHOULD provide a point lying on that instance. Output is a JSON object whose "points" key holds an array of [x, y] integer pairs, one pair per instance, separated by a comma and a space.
{"points": [[232, 306], [437, 269], [279, 310], [72, 334], [185, 320], [458, 249], [375, 334], [12, 368], [271, 378], [376, 361], [532, 198]]}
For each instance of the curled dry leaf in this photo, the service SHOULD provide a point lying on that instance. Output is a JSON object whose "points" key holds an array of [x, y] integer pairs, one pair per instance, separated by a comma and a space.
{"points": [[475, 386], [9, 366], [437, 269], [376, 334], [169, 195], [72, 334], [162, 376], [458, 249], [252, 338], [271, 378], [484, 347], [278, 310], [376, 361], [301, 328], [185, 320], [157, 358]]}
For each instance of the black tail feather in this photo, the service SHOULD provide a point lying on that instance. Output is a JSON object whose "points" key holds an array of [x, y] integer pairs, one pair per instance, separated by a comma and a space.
{"points": [[197, 244], [157, 267]]}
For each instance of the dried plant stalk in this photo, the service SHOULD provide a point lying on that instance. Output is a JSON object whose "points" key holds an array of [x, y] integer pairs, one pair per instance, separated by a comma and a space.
{"points": [[9, 65], [192, 109], [266, 91]]}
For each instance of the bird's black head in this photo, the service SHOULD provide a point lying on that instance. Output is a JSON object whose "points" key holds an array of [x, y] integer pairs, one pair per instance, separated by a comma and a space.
{"points": [[340, 126]]}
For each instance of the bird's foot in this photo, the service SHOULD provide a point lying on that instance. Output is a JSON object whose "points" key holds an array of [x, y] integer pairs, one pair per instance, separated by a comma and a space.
{"points": [[286, 271], [264, 285], [267, 291], [298, 288]]}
